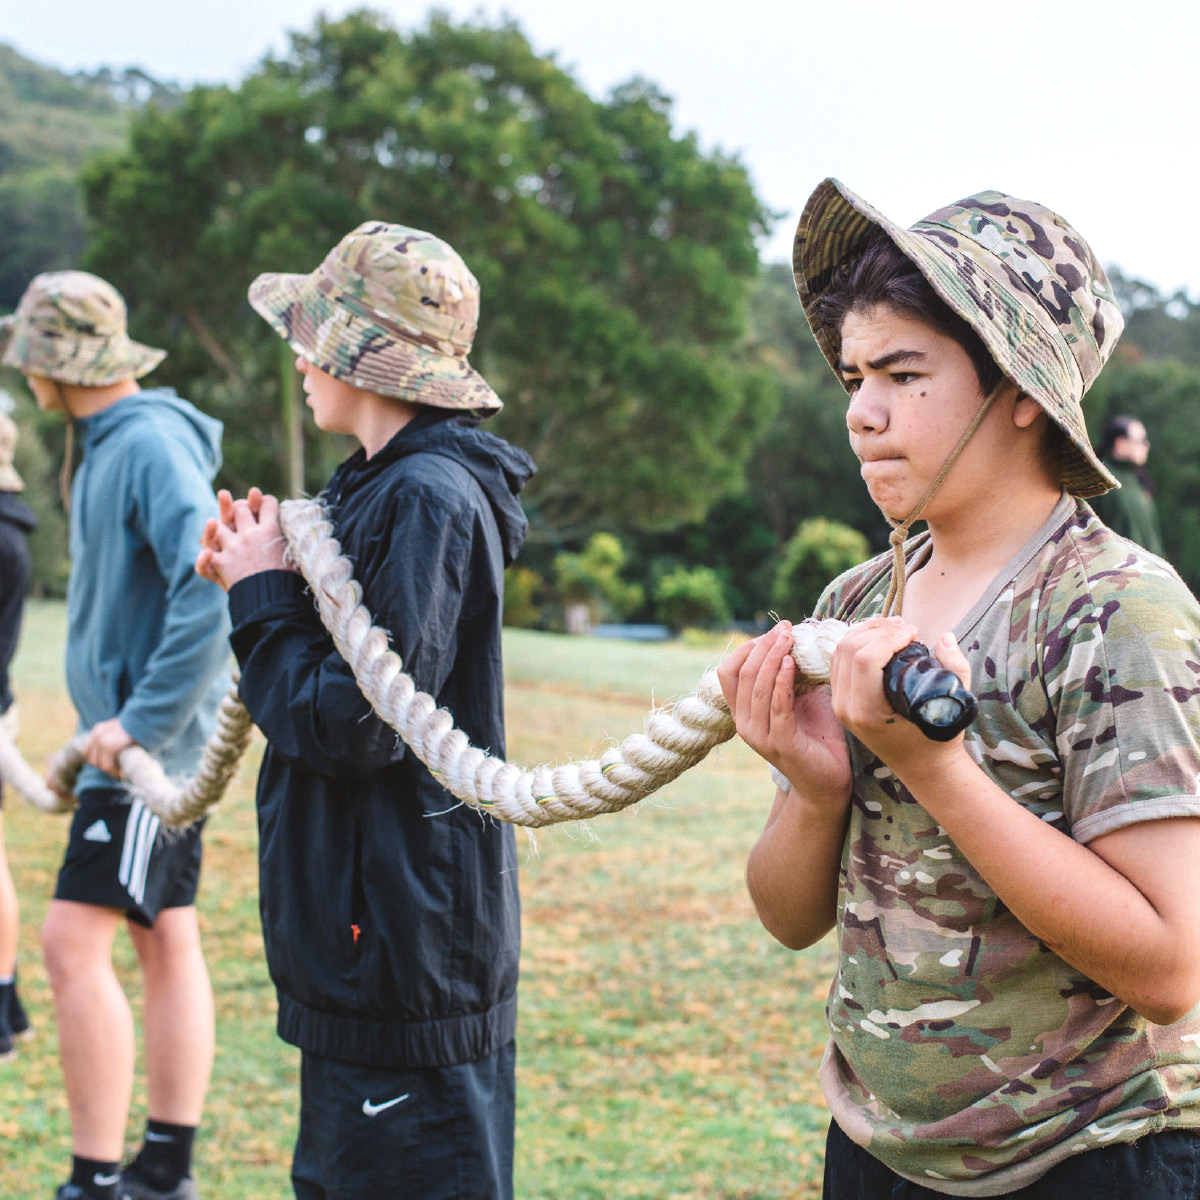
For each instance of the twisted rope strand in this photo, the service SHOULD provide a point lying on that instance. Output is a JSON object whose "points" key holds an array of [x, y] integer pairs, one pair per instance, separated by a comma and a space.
{"points": [[15, 770], [176, 805], [672, 740]]}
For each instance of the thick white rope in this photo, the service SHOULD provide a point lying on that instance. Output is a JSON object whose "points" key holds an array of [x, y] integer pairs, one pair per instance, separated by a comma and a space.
{"points": [[672, 740], [177, 805], [16, 771]]}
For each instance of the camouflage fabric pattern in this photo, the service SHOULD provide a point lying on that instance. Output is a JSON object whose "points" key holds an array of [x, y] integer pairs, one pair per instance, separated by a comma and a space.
{"points": [[391, 309], [1023, 279], [71, 327], [964, 1054]]}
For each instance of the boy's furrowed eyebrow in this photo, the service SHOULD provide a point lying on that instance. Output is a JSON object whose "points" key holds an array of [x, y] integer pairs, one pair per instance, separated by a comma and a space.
{"points": [[888, 360]]}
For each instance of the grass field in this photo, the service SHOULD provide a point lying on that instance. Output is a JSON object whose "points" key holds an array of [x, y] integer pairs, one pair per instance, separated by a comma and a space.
{"points": [[667, 1045]]}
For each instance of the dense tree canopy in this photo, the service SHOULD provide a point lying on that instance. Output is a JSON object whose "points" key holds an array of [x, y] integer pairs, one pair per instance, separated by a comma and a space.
{"points": [[614, 257], [618, 269], [49, 124]]}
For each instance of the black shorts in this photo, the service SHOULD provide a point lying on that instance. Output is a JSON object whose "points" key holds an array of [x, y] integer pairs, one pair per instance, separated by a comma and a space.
{"points": [[119, 856], [429, 1133], [1161, 1166]]}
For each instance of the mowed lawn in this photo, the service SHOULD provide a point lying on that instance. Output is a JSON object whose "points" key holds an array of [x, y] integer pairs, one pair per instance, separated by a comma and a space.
{"points": [[668, 1047]]}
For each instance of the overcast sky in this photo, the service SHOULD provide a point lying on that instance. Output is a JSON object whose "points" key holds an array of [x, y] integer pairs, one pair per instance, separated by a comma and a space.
{"points": [[1090, 108]]}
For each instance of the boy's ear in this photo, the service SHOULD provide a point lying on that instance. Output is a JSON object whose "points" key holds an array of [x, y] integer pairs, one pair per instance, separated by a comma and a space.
{"points": [[1026, 411]]}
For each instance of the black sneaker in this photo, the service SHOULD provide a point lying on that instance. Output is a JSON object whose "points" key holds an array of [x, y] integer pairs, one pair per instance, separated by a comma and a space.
{"points": [[134, 1187], [18, 1018], [72, 1191]]}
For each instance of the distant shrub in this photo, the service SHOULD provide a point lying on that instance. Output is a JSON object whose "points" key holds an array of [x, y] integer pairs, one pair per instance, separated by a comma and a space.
{"points": [[817, 552], [522, 588], [592, 579], [691, 598]]}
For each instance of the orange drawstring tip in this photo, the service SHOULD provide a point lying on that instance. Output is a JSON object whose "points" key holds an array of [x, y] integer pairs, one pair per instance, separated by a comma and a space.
{"points": [[354, 929]]}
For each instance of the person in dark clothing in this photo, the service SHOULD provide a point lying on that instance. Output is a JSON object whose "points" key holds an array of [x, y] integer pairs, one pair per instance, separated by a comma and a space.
{"points": [[390, 914], [16, 521], [1129, 509]]}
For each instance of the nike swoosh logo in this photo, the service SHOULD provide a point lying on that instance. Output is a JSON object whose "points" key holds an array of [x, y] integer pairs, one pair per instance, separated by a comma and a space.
{"points": [[158, 1137], [373, 1110], [106, 1180]]}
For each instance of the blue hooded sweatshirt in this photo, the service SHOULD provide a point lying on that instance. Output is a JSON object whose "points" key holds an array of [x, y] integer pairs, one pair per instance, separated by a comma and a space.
{"points": [[146, 636]]}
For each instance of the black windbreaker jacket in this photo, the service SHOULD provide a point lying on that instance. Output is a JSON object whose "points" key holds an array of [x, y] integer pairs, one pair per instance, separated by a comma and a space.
{"points": [[390, 913]]}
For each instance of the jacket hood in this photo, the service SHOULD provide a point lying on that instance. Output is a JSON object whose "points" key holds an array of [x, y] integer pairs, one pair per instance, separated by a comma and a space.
{"points": [[501, 470], [16, 512], [158, 404]]}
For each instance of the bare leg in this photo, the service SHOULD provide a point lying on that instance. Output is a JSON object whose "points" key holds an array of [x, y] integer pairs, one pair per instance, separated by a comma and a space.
{"points": [[8, 913], [178, 1018], [95, 1025]]}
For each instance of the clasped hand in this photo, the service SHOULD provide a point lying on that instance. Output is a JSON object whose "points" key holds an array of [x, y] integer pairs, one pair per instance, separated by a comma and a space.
{"points": [[243, 539], [803, 735]]}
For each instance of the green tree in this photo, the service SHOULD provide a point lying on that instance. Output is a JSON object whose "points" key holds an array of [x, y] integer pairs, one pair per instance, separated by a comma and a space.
{"points": [[817, 553], [733, 539], [522, 589], [691, 599], [592, 578], [1156, 327], [41, 213], [800, 465], [49, 124], [614, 256]]}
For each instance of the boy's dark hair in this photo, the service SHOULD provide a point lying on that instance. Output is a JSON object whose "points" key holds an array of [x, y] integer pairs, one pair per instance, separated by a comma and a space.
{"points": [[884, 275]]}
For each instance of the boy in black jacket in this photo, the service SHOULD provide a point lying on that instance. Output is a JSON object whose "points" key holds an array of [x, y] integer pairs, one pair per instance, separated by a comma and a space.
{"points": [[390, 915]]}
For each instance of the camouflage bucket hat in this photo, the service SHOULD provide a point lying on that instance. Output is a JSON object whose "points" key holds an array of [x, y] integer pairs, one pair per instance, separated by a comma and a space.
{"points": [[392, 310], [70, 327], [10, 481], [1016, 272]]}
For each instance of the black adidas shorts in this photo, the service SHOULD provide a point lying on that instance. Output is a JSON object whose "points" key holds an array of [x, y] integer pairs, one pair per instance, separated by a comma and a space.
{"points": [[431, 1133], [120, 856]]}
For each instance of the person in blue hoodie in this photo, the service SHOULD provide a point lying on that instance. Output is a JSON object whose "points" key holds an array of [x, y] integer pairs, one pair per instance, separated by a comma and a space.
{"points": [[147, 663], [390, 914]]}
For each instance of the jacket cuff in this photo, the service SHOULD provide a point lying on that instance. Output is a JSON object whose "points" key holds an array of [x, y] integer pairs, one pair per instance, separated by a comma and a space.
{"points": [[250, 597]]}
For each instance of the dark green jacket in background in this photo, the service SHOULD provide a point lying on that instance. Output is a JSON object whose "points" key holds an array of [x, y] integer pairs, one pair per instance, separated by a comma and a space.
{"points": [[1129, 510]]}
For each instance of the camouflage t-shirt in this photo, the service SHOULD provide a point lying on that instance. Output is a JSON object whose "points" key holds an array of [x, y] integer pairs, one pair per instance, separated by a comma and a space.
{"points": [[964, 1054]]}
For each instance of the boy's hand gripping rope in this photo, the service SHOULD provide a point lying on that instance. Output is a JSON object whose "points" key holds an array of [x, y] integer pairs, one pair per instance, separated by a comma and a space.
{"points": [[176, 804], [673, 739]]}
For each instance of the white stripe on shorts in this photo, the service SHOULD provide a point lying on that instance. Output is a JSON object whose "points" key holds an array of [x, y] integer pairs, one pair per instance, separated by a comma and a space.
{"points": [[141, 830]]}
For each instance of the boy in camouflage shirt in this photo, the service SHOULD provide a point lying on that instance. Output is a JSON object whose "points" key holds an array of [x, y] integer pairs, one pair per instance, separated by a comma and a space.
{"points": [[1017, 921]]}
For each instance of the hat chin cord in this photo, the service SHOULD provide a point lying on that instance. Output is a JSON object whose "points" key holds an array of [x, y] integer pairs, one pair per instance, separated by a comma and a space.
{"points": [[900, 529]]}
